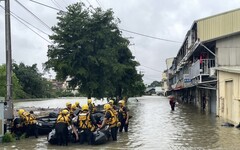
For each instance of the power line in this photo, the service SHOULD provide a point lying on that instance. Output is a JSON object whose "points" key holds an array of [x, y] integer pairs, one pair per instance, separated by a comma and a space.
{"points": [[27, 26], [46, 5], [151, 68], [90, 5], [151, 78], [98, 3], [157, 38], [29, 23], [101, 6], [34, 15], [57, 4], [149, 36], [65, 2]]}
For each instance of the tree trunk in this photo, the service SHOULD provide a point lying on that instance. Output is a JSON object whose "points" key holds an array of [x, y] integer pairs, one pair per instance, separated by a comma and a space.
{"points": [[89, 95], [119, 92]]}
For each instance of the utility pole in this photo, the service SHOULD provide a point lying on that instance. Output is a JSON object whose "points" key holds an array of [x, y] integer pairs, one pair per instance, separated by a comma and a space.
{"points": [[8, 103]]}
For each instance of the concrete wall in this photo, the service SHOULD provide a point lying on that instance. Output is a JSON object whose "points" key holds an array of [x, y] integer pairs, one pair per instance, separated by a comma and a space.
{"points": [[228, 51], [229, 96], [169, 62]]}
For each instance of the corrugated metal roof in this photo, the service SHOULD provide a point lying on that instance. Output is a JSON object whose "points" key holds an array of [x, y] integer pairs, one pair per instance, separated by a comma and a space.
{"points": [[218, 25], [223, 13]]}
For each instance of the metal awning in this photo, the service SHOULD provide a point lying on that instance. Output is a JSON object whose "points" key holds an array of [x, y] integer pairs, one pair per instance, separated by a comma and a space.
{"points": [[211, 85]]}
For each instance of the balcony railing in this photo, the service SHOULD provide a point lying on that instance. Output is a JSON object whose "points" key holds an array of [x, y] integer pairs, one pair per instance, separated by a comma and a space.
{"points": [[201, 67], [206, 64]]}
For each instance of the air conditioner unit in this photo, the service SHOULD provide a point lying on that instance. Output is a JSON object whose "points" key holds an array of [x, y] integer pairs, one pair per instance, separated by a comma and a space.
{"points": [[212, 72]]}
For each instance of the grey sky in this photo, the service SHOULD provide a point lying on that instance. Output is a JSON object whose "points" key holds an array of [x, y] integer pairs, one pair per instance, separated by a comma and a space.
{"points": [[169, 19]]}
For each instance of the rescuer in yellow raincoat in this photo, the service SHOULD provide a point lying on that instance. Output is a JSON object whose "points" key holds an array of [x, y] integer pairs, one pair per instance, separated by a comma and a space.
{"points": [[123, 116], [61, 127], [110, 119], [78, 105], [86, 124], [29, 122], [91, 106]]}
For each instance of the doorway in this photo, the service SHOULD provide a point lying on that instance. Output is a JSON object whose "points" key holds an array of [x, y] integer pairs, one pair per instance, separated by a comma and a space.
{"points": [[229, 99]]}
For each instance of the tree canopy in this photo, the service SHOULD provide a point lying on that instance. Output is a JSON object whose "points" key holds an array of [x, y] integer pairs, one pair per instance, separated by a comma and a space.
{"points": [[90, 50], [32, 82], [156, 83], [17, 88]]}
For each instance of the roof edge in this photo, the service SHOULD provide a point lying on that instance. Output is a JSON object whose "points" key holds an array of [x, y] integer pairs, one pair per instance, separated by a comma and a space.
{"points": [[226, 12]]}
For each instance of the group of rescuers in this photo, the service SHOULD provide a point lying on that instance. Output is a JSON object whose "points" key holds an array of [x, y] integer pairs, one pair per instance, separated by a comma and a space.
{"points": [[116, 118]]}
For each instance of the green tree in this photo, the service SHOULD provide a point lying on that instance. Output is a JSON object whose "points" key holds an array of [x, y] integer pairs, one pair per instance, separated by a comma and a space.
{"points": [[18, 92], [155, 83], [32, 81], [89, 48]]}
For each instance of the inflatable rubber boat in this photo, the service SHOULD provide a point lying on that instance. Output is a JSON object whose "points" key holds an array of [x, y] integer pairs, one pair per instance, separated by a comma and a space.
{"points": [[47, 123], [100, 137]]}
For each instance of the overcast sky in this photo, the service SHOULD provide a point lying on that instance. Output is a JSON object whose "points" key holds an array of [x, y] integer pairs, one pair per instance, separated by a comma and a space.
{"points": [[168, 19]]}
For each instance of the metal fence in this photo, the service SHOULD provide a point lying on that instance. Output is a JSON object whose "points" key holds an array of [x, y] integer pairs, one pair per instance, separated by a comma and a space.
{"points": [[201, 67], [206, 64]]}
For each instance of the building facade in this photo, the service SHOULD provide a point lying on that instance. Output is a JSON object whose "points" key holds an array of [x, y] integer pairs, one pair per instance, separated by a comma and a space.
{"points": [[210, 43], [229, 93], [164, 82]]}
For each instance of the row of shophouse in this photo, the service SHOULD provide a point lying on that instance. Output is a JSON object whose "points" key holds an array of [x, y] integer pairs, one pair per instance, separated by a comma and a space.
{"points": [[206, 70]]}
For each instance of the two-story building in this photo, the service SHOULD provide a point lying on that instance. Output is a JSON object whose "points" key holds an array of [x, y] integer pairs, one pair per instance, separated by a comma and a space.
{"points": [[210, 43]]}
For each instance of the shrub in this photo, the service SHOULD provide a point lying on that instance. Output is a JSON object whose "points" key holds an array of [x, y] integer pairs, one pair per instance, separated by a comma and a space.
{"points": [[8, 137]]}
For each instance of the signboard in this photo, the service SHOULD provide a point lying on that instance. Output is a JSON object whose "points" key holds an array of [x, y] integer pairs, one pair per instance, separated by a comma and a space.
{"points": [[186, 78]]}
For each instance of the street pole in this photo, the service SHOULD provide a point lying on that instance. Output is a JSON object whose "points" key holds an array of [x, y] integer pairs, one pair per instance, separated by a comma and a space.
{"points": [[8, 103]]}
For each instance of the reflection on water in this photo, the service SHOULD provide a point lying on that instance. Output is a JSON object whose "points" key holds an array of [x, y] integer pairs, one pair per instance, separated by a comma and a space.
{"points": [[153, 126]]}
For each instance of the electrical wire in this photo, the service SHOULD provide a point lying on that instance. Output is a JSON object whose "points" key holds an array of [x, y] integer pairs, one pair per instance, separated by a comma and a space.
{"points": [[29, 23], [27, 26], [151, 68], [46, 5], [151, 78], [149, 36], [140, 34], [101, 6], [65, 2], [57, 4], [90, 5], [33, 15]]}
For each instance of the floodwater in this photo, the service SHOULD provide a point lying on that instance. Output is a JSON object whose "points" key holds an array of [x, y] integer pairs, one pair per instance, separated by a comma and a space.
{"points": [[153, 126]]}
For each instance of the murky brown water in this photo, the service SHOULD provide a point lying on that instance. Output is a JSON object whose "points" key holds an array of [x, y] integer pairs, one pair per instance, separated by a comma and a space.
{"points": [[154, 126]]}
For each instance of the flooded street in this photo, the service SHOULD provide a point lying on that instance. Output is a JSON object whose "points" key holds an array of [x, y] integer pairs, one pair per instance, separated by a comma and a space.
{"points": [[153, 126]]}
